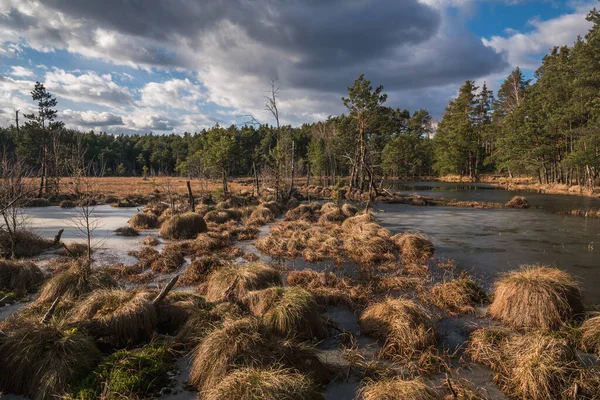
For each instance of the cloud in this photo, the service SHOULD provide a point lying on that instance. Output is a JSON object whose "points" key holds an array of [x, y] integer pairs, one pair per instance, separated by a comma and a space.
{"points": [[523, 48], [87, 87], [21, 72], [174, 93], [90, 119]]}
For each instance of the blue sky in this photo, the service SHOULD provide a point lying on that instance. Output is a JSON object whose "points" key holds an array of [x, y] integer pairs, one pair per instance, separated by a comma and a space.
{"points": [[173, 66]]}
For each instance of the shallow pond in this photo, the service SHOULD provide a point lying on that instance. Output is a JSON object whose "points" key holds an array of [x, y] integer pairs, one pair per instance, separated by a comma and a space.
{"points": [[108, 247], [496, 240]]}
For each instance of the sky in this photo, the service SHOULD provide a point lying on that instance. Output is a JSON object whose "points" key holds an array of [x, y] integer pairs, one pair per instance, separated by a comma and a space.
{"points": [[162, 66]]}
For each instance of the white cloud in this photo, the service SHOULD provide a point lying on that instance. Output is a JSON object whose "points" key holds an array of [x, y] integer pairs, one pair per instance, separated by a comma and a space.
{"points": [[174, 93], [523, 49], [89, 119], [88, 87], [21, 72]]}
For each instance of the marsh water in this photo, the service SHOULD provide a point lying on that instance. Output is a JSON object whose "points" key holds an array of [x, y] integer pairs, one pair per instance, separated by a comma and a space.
{"points": [[487, 241], [491, 241]]}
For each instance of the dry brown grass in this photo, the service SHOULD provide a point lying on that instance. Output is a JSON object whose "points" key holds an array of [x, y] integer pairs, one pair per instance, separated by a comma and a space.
{"points": [[143, 220], [486, 346], [122, 316], [266, 384], [517, 202], [367, 243], [395, 388], [168, 261], [288, 312], [74, 283], [459, 296], [41, 361], [539, 367], [590, 334], [150, 241], [303, 212], [198, 271], [20, 276], [221, 216], [405, 326], [536, 297], [328, 289], [27, 244], [184, 226], [414, 247], [262, 214], [234, 283], [243, 343]]}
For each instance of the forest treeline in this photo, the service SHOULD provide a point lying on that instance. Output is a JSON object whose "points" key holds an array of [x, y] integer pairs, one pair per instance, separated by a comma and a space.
{"points": [[548, 128]]}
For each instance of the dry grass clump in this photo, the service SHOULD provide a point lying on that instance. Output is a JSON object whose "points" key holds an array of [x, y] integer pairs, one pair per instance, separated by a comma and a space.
{"points": [[333, 216], [367, 243], [590, 330], [221, 216], [119, 316], [486, 347], [358, 220], [67, 204], [517, 202], [459, 296], [405, 326], [42, 361], [168, 261], [414, 247], [349, 210], [75, 282], [262, 214], [150, 241], [288, 312], [27, 244], [539, 367], [266, 384], [176, 310], [303, 212], [143, 220], [292, 203], [327, 288], [130, 273], [235, 282], [202, 209], [127, 231], [183, 226], [395, 388], [76, 249], [20, 276], [274, 206], [198, 271], [242, 343], [536, 297], [145, 255]]}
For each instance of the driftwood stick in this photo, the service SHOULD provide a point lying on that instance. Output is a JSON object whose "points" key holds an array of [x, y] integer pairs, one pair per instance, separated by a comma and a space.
{"points": [[165, 291], [190, 195], [58, 236], [450, 387], [68, 251], [48, 315]]}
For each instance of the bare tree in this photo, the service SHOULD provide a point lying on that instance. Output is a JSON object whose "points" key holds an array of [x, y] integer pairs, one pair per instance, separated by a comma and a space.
{"points": [[271, 106]]}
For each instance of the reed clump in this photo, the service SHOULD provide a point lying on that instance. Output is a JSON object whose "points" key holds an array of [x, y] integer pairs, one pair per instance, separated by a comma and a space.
{"points": [[405, 326], [268, 384], [119, 316], [183, 226], [244, 343], [536, 297], [42, 361], [288, 312], [396, 388], [234, 282]]}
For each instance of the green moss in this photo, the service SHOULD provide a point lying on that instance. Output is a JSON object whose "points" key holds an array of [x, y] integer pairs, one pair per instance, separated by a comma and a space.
{"points": [[131, 374]]}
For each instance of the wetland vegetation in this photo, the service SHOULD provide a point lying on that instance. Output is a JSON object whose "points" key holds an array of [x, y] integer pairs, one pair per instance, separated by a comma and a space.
{"points": [[275, 262]]}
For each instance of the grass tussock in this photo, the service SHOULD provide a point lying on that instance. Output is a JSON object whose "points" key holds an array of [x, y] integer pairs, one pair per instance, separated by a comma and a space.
{"points": [[76, 249], [74, 283], [590, 334], [459, 296], [27, 244], [20, 276], [242, 343], [197, 272], [177, 309], [144, 220], [303, 212], [167, 261], [327, 288], [221, 216], [404, 325], [121, 316], [150, 241], [517, 202], [234, 282], [536, 297], [129, 374], [266, 384], [414, 247], [262, 214], [288, 312], [42, 361], [127, 231], [486, 347], [395, 388], [367, 243], [183, 226], [67, 204]]}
